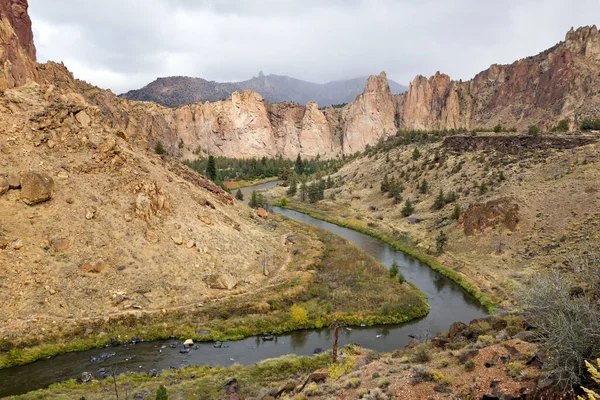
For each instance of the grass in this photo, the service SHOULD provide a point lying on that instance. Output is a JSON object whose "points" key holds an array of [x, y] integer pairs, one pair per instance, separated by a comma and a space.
{"points": [[208, 382], [407, 249], [323, 278], [234, 185]]}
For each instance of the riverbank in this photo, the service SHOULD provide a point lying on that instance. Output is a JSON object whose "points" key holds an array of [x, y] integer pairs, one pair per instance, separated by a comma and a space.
{"points": [[235, 185], [317, 284], [403, 246]]}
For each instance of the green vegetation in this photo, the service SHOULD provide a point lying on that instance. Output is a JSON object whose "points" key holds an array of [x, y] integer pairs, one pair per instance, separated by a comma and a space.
{"points": [[159, 148], [590, 124], [440, 242], [456, 212], [211, 169], [562, 126], [404, 247], [326, 290], [208, 382], [408, 208], [239, 195], [533, 130], [238, 169], [394, 269], [161, 393]]}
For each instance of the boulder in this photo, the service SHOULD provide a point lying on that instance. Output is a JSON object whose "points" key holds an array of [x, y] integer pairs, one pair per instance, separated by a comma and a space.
{"points": [[36, 188], [456, 328], [412, 344], [87, 377], [261, 212], [222, 282], [4, 185], [60, 245], [188, 342], [83, 118]]}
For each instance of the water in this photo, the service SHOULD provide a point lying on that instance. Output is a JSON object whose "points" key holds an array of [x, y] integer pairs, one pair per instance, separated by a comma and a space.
{"points": [[448, 303]]}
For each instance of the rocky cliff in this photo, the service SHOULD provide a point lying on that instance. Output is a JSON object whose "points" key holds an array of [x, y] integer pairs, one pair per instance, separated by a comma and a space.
{"points": [[561, 82], [17, 51]]}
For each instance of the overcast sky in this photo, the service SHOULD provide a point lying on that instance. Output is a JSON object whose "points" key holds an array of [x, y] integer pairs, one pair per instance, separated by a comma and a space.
{"points": [[125, 44]]}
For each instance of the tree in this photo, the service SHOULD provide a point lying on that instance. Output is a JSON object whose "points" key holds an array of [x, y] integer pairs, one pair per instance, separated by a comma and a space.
{"points": [[408, 208], [401, 278], [254, 200], [424, 187], [298, 315], [283, 201], [293, 187], [161, 393], [303, 191], [385, 184], [456, 212], [299, 166], [330, 183], [440, 201], [239, 195], [498, 128], [416, 154], [394, 269], [440, 242], [211, 169], [562, 126]]}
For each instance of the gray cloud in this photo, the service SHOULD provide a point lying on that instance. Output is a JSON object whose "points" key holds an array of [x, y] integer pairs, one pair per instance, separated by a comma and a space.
{"points": [[124, 44]]}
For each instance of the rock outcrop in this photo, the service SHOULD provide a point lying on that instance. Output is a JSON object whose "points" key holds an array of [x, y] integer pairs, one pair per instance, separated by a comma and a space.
{"points": [[561, 82], [17, 51]]}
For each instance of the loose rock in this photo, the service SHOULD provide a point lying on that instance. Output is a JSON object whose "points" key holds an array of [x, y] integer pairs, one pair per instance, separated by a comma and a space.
{"points": [[36, 188]]}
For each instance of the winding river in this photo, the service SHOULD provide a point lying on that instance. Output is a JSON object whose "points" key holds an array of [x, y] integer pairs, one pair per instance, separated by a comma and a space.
{"points": [[448, 303]]}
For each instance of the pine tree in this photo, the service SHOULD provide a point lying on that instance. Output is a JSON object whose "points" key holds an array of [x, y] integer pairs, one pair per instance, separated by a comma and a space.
{"points": [[456, 212], [254, 199], [416, 154], [408, 208], [293, 186], [303, 191], [385, 184], [211, 169], [329, 182], [440, 242], [299, 166], [440, 201], [239, 195], [424, 187]]}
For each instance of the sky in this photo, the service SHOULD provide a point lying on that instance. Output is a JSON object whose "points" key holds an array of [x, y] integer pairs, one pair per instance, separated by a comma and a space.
{"points": [[125, 44]]}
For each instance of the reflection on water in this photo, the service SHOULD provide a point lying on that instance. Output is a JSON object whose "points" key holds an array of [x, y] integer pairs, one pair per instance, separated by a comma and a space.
{"points": [[448, 303]]}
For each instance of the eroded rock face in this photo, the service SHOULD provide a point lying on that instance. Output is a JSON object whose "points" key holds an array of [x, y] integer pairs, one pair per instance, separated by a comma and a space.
{"points": [[17, 53], [36, 187], [478, 217], [555, 84]]}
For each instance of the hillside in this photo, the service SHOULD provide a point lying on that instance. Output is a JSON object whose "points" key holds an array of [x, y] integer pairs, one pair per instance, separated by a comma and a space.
{"points": [[178, 90], [524, 203]]}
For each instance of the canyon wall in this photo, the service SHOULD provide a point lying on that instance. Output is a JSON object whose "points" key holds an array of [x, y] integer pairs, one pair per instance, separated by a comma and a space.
{"points": [[561, 82]]}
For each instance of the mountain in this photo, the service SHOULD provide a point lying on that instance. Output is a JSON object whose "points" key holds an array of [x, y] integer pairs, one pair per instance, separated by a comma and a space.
{"points": [[178, 90]]}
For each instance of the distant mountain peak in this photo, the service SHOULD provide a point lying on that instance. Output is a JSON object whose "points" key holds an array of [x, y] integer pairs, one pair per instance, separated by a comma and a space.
{"points": [[175, 91]]}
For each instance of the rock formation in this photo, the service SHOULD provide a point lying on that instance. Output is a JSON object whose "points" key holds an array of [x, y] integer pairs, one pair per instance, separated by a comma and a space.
{"points": [[561, 82], [17, 51]]}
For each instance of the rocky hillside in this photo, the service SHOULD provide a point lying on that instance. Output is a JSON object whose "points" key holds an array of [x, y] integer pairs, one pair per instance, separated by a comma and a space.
{"points": [[510, 205], [559, 83], [92, 224], [178, 90]]}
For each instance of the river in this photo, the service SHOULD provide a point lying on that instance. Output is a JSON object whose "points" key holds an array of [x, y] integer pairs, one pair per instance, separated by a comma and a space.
{"points": [[448, 303]]}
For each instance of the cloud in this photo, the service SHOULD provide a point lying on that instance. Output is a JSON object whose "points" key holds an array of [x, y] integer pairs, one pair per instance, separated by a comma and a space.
{"points": [[125, 44]]}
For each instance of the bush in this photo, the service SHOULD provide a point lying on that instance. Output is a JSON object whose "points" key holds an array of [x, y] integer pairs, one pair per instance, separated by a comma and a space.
{"points": [[533, 130], [401, 278], [352, 383], [590, 124], [394, 269], [159, 148], [595, 377], [298, 315], [383, 383], [283, 201], [312, 390], [421, 353], [562, 126], [498, 128], [161, 393], [469, 366], [564, 306], [456, 212]]}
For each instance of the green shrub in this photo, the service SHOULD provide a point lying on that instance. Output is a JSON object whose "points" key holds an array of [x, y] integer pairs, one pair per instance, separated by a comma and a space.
{"points": [[394, 269], [498, 128], [533, 130], [283, 201], [469, 366], [440, 242], [590, 124], [401, 278], [161, 393], [408, 208], [159, 148], [239, 195]]}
